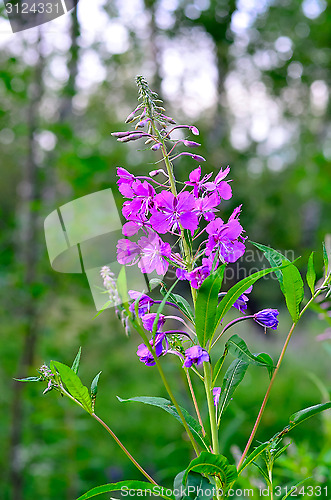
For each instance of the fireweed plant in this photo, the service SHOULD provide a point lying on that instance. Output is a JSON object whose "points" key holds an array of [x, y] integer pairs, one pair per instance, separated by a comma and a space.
{"points": [[199, 246]]}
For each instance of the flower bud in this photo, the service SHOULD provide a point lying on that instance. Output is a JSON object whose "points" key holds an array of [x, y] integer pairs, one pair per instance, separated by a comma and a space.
{"points": [[194, 130], [156, 146], [132, 137], [142, 123], [120, 134], [191, 144]]}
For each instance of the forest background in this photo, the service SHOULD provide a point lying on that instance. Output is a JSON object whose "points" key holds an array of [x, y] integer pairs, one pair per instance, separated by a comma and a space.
{"points": [[254, 76]]}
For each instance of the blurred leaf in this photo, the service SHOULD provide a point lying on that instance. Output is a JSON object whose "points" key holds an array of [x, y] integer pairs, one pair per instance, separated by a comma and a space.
{"points": [[29, 379], [325, 259], [122, 286], [281, 451], [94, 385], [75, 364], [128, 486], [262, 471], [214, 465], [311, 274], [74, 385], [293, 290], [206, 305], [232, 378], [294, 488], [166, 405]]}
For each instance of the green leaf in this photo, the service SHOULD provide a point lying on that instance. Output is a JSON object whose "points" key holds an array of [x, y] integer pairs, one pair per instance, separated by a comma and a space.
{"points": [[311, 274], [182, 303], [263, 472], [232, 378], [206, 305], [140, 486], [94, 385], [275, 258], [237, 346], [213, 465], [218, 365], [29, 379], [281, 451], [298, 417], [294, 488], [75, 364], [196, 487], [327, 254], [74, 385], [166, 405], [238, 289], [293, 290], [122, 287], [252, 456]]}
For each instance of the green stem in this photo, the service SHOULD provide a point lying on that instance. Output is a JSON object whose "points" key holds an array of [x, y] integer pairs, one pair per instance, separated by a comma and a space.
{"points": [[121, 445], [166, 385], [113, 435], [211, 407], [282, 354]]}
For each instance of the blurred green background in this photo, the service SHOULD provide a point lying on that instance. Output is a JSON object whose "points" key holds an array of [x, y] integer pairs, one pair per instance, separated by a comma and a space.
{"points": [[254, 76]]}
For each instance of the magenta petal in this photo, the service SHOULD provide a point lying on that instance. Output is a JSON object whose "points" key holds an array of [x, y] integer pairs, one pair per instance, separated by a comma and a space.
{"points": [[160, 223], [195, 175], [224, 190], [189, 220]]}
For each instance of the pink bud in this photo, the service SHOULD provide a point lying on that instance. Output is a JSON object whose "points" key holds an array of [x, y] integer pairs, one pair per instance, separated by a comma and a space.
{"points": [[194, 130], [156, 146], [120, 134], [191, 144]]}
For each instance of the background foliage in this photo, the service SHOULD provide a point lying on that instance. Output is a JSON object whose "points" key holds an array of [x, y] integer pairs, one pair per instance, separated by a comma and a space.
{"points": [[254, 77]]}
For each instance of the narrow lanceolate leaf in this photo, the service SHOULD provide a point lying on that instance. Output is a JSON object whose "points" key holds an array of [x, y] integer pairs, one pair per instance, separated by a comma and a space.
{"points": [[145, 489], [218, 365], [275, 258], [210, 464], [311, 275], [298, 417], [237, 346], [94, 385], [74, 385], [122, 287], [294, 488], [182, 303], [326, 259], [75, 364], [232, 378], [167, 406], [253, 456], [29, 379], [235, 292], [206, 306], [293, 290]]}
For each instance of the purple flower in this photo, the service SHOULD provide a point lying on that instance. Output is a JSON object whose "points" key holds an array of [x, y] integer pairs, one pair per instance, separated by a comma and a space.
{"points": [[220, 186], [143, 200], [206, 206], [144, 304], [174, 210], [125, 182], [224, 238], [149, 253], [146, 356], [181, 274], [241, 302], [216, 394], [267, 318], [196, 181], [198, 276], [195, 354], [127, 252], [148, 321]]}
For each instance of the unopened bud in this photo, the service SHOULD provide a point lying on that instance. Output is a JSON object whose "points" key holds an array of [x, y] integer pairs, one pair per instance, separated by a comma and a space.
{"points": [[120, 134], [191, 144], [142, 123], [132, 137], [156, 146], [168, 119], [153, 173], [194, 130]]}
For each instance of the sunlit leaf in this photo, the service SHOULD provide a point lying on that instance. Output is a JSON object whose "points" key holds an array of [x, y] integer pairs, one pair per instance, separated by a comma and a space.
{"points": [[75, 364], [293, 290], [74, 385]]}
